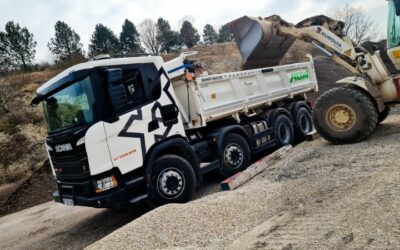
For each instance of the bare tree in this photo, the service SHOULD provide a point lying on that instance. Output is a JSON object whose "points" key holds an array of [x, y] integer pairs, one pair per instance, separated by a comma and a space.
{"points": [[148, 34], [358, 25]]}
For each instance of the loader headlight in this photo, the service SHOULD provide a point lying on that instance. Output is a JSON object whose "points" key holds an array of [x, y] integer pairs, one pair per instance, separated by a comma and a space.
{"points": [[105, 184], [80, 141]]}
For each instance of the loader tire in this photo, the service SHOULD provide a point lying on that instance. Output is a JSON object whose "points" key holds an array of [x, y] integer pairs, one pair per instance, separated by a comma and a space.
{"points": [[383, 115], [345, 115]]}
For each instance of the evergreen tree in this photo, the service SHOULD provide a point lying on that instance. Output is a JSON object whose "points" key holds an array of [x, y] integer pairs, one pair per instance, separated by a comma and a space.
{"points": [[129, 39], [209, 34], [167, 38], [103, 41], [225, 34], [17, 47], [5, 62], [189, 35], [65, 44]]}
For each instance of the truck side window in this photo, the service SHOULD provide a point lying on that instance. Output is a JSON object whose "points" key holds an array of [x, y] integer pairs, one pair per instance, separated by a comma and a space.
{"points": [[134, 87], [137, 82]]}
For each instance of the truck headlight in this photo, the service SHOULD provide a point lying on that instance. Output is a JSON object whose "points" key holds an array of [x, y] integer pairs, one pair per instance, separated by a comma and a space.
{"points": [[105, 184]]}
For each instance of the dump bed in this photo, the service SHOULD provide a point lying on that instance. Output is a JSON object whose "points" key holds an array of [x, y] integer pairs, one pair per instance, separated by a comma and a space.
{"points": [[234, 93]]}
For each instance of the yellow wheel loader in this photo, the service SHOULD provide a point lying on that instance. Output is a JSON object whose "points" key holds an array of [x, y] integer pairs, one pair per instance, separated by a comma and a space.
{"points": [[350, 112]]}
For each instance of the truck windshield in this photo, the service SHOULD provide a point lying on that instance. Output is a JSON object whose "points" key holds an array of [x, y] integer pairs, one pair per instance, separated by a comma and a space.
{"points": [[70, 107], [393, 36]]}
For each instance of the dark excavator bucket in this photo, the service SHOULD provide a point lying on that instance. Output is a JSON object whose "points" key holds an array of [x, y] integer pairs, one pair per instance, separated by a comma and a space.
{"points": [[259, 40]]}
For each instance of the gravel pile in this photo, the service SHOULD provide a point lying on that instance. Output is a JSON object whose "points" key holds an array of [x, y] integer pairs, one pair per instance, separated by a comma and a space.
{"points": [[319, 196]]}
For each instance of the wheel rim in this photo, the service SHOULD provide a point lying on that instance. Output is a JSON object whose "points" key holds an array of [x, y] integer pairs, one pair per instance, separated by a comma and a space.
{"points": [[305, 124], [170, 183], [341, 117], [284, 134], [233, 155]]}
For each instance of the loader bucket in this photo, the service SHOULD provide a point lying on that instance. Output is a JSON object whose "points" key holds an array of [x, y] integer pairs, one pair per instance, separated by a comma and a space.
{"points": [[259, 40]]}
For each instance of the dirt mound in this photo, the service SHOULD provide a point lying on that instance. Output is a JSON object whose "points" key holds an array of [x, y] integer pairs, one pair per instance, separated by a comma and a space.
{"points": [[35, 190], [216, 58]]}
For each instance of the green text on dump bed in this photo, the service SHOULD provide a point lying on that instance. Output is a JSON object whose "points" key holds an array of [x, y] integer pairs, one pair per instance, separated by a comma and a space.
{"points": [[299, 76]]}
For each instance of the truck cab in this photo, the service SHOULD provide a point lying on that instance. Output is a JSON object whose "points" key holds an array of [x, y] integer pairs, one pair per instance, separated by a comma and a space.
{"points": [[121, 108]]}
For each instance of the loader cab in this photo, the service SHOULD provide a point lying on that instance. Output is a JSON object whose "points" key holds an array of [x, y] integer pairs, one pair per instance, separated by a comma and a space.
{"points": [[393, 32]]}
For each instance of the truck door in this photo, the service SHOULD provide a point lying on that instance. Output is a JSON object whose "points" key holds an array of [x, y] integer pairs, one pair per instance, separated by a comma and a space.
{"points": [[140, 125]]}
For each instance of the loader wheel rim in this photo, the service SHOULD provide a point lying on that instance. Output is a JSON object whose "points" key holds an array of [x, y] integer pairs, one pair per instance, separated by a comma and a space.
{"points": [[341, 117]]}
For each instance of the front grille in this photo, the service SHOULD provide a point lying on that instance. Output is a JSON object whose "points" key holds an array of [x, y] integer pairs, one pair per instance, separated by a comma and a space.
{"points": [[72, 166]]}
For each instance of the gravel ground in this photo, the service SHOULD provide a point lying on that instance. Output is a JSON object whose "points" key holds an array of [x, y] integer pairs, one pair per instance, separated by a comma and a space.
{"points": [[55, 226], [319, 196]]}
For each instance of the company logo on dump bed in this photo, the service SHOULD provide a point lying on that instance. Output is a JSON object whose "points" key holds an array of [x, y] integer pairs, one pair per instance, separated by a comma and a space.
{"points": [[299, 76]]}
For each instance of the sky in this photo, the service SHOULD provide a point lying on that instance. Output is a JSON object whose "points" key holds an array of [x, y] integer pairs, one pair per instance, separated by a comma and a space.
{"points": [[39, 16]]}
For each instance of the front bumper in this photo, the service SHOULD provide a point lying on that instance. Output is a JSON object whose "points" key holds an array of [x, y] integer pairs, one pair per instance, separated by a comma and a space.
{"points": [[82, 194]]}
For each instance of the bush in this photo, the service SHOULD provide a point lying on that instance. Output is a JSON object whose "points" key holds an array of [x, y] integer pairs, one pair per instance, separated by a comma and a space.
{"points": [[9, 123], [34, 118], [13, 149], [61, 65], [5, 95]]}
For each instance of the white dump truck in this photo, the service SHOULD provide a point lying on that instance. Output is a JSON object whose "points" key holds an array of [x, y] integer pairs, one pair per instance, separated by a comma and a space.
{"points": [[127, 130]]}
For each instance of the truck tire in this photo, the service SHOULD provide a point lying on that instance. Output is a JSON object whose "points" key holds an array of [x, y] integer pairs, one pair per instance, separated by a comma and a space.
{"points": [[383, 115], [172, 180], [345, 115], [283, 130], [303, 123], [235, 155]]}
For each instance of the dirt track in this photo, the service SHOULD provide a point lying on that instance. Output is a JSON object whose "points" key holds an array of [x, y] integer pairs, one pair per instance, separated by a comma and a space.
{"points": [[320, 196], [52, 226]]}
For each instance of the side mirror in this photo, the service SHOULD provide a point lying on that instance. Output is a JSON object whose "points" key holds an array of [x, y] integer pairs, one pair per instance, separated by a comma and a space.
{"points": [[169, 114], [116, 90]]}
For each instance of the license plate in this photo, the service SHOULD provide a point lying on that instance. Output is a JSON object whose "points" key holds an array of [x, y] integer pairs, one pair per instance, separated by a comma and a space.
{"points": [[68, 202]]}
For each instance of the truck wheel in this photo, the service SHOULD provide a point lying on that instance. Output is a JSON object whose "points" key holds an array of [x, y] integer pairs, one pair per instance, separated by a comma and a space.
{"points": [[283, 130], [383, 115], [345, 115], [236, 155], [173, 180], [303, 123]]}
